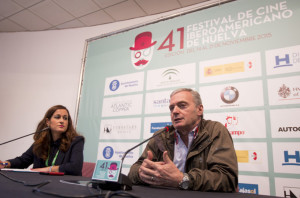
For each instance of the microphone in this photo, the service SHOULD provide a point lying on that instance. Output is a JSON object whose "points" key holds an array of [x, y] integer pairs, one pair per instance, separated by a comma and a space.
{"points": [[44, 129], [124, 182]]}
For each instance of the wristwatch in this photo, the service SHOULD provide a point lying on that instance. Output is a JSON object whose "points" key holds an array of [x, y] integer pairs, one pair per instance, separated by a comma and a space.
{"points": [[184, 184]]}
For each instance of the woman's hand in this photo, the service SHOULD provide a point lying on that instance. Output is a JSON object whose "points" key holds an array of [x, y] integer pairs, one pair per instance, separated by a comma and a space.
{"points": [[47, 169], [4, 164]]}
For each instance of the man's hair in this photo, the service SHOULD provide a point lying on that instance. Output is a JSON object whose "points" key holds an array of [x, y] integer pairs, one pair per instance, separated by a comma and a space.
{"points": [[195, 94]]}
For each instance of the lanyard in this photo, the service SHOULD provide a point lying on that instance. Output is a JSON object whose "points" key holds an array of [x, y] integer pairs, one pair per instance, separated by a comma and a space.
{"points": [[54, 159]]}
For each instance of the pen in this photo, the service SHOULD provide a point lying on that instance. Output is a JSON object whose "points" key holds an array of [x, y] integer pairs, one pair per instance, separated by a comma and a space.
{"points": [[52, 173]]}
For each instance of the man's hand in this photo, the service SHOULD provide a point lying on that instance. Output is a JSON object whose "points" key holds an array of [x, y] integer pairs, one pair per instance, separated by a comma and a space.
{"points": [[160, 173]]}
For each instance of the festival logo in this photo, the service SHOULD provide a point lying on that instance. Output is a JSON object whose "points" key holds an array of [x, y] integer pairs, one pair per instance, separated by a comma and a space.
{"points": [[112, 170], [107, 170], [142, 50]]}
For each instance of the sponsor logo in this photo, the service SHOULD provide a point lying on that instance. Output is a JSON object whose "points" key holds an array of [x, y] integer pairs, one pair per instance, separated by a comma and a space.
{"points": [[161, 102], [283, 61], [291, 192], [245, 156], [287, 60], [121, 106], [229, 68], [231, 124], [286, 92], [119, 129], [107, 128], [108, 152], [291, 159], [288, 129], [121, 153], [158, 125], [170, 75], [229, 95], [114, 85], [248, 188], [134, 83]]}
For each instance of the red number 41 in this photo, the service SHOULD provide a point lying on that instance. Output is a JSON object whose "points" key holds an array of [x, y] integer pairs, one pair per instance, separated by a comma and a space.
{"points": [[168, 42]]}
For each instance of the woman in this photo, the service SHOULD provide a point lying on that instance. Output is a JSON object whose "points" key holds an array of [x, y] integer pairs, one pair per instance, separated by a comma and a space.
{"points": [[57, 149]]}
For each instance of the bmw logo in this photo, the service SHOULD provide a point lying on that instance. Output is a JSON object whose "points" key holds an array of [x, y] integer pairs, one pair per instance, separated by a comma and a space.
{"points": [[229, 95]]}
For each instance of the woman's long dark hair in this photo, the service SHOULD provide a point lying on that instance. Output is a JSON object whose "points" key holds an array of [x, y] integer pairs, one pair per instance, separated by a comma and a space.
{"points": [[42, 140]]}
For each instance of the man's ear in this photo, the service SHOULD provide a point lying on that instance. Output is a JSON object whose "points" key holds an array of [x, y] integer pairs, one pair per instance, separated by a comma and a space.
{"points": [[200, 110]]}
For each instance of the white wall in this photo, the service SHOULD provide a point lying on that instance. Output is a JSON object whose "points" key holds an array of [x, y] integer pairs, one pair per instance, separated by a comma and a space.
{"points": [[39, 70]]}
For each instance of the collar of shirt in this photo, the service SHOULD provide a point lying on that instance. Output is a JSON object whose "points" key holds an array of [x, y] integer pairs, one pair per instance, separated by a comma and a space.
{"points": [[55, 143], [181, 151]]}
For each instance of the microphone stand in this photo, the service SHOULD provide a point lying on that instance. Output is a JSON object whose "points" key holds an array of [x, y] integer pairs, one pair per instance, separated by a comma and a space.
{"points": [[164, 130], [25, 136]]}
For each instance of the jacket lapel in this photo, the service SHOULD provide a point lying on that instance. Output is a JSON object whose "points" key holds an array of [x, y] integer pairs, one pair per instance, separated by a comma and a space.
{"points": [[202, 141], [170, 143], [60, 157]]}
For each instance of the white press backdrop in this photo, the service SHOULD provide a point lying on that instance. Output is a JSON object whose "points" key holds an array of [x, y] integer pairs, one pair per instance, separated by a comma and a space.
{"points": [[243, 58]]}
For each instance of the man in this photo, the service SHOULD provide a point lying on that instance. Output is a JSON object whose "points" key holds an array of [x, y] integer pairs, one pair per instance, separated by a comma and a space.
{"points": [[198, 154]]}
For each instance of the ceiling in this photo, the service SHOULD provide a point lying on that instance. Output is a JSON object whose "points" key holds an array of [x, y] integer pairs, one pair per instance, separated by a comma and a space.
{"points": [[40, 15]]}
